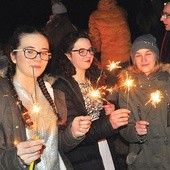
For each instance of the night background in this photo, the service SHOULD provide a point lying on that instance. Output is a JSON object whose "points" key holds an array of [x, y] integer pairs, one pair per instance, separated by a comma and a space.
{"points": [[36, 12], [14, 13]]}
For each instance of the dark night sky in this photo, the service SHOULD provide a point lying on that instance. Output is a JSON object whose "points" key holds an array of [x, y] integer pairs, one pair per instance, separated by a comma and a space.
{"points": [[36, 12], [17, 12]]}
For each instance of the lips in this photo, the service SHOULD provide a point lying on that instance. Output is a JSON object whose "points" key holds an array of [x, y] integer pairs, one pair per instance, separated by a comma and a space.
{"points": [[145, 65], [36, 66], [88, 61]]}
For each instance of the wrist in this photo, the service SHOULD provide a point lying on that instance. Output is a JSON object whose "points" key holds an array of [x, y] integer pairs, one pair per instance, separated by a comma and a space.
{"points": [[74, 135], [22, 163]]}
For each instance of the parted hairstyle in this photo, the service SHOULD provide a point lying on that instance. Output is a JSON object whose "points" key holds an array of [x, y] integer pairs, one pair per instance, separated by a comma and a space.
{"points": [[65, 67], [14, 43]]}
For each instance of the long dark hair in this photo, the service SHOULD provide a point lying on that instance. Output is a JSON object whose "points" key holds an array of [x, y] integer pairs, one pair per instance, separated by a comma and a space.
{"points": [[63, 64], [14, 44]]}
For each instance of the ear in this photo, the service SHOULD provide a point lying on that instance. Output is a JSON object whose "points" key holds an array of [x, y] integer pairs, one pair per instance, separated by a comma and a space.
{"points": [[13, 57], [68, 56]]}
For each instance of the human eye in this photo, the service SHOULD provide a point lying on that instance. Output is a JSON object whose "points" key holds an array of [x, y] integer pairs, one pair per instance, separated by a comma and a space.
{"points": [[45, 53], [137, 56], [82, 51], [30, 51], [149, 54]]}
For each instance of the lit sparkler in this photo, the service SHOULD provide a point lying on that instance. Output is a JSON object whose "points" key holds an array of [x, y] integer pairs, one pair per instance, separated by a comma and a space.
{"points": [[36, 110], [113, 65], [101, 74], [110, 90], [155, 98], [128, 83], [97, 93]]}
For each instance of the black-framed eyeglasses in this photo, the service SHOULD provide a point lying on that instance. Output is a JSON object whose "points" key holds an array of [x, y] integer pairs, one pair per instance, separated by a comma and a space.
{"points": [[31, 53], [165, 15], [83, 52]]}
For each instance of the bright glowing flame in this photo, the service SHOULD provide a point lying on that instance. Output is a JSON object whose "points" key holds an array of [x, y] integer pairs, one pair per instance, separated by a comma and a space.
{"points": [[95, 93], [128, 83], [36, 109], [16, 142], [110, 90], [155, 98], [113, 65]]}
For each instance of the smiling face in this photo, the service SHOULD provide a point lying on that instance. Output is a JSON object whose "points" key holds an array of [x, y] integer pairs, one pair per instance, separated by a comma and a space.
{"points": [[24, 66], [145, 61], [81, 63]]}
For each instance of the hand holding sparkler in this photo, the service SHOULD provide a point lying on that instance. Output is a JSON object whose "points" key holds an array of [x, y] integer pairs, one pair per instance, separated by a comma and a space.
{"points": [[80, 126], [109, 108], [141, 127], [119, 118], [29, 151]]}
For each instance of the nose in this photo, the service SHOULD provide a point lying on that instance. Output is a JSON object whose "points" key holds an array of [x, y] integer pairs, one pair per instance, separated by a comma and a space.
{"points": [[38, 56], [162, 18], [144, 58]]}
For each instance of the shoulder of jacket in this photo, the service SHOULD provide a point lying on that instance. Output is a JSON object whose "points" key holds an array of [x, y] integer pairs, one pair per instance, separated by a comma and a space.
{"points": [[166, 67], [50, 79]]}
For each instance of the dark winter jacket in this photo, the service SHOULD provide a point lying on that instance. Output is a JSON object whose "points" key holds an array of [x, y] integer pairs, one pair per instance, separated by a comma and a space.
{"points": [[165, 50], [86, 155], [150, 151], [12, 129]]}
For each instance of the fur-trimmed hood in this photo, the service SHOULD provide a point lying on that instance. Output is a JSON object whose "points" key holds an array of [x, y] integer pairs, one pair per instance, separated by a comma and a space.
{"points": [[129, 74]]}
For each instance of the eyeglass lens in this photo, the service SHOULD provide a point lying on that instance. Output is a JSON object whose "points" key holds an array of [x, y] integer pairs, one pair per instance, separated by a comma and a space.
{"points": [[31, 54]]}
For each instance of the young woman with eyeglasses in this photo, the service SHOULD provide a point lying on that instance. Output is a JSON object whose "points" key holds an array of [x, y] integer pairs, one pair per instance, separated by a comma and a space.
{"points": [[165, 18], [77, 73], [27, 135]]}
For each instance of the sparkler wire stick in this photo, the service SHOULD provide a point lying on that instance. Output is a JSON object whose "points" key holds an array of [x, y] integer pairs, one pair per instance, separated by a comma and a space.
{"points": [[127, 100], [97, 82], [35, 89], [148, 112], [139, 111], [168, 114], [31, 167]]}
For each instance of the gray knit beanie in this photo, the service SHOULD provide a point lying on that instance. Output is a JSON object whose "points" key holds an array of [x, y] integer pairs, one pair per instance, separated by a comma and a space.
{"points": [[146, 41]]}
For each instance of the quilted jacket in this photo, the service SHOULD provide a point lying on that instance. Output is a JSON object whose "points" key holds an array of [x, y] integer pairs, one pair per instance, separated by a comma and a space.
{"points": [[109, 32]]}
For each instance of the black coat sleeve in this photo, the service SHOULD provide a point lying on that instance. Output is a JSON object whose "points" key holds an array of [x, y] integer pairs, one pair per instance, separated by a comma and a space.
{"points": [[100, 128]]}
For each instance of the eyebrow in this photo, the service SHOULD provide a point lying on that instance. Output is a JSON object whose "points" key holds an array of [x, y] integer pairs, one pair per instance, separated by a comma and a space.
{"points": [[31, 47]]}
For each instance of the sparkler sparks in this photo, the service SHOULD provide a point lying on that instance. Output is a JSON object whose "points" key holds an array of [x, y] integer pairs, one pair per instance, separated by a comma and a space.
{"points": [[36, 108], [113, 65], [155, 98], [128, 83], [98, 93]]}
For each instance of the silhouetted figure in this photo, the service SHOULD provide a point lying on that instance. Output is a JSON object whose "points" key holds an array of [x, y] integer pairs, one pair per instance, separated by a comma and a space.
{"points": [[56, 29]]}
